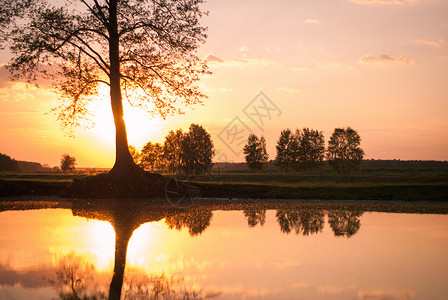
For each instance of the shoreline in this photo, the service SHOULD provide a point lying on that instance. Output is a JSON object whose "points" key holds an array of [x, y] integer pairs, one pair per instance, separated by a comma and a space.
{"points": [[392, 206]]}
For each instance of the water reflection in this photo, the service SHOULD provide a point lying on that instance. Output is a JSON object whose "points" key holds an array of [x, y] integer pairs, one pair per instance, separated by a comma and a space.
{"points": [[75, 279], [215, 253], [196, 220], [344, 223], [311, 221], [255, 216], [160, 287], [304, 221], [126, 218]]}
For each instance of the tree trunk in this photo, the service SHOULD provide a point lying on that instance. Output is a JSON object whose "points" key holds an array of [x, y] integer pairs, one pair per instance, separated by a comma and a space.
{"points": [[123, 159], [122, 236]]}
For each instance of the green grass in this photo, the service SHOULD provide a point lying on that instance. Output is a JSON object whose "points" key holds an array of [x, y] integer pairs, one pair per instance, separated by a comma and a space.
{"points": [[372, 184], [379, 184]]}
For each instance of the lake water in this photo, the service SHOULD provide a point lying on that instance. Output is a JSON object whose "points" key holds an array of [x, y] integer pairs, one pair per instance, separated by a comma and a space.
{"points": [[247, 252]]}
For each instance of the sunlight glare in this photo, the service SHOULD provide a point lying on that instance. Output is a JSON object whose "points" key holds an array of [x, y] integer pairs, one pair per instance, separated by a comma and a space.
{"points": [[102, 240], [141, 127]]}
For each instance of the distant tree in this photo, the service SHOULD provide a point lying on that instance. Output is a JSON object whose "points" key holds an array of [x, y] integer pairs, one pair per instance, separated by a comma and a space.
{"points": [[197, 150], [255, 151], [287, 150], [344, 153], [172, 149], [68, 163], [152, 156], [311, 149], [135, 154], [142, 49], [8, 164]]}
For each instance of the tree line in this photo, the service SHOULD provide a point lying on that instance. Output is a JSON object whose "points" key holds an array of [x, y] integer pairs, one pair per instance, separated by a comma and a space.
{"points": [[304, 150], [190, 152]]}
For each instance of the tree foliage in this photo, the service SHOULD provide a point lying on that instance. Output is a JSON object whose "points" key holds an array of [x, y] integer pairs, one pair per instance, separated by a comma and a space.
{"points": [[344, 153], [172, 149], [68, 163], [142, 49], [197, 150], [8, 164], [152, 156], [287, 150], [255, 152], [311, 149]]}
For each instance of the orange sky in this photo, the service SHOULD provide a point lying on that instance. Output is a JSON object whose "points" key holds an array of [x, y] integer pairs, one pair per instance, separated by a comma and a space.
{"points": [[379, 66]]}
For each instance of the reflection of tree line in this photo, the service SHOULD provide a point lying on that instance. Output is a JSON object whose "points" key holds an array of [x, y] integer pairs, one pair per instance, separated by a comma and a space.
{"points": [[301, 221], [125, 219], [309, 221]]}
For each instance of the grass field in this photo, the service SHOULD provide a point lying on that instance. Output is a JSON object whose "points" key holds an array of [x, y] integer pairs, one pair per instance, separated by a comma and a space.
{"points": [[416, 184]]}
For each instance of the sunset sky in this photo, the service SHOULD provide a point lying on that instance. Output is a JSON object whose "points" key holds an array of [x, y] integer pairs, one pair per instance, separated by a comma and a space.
{"points": [[379, 66]]}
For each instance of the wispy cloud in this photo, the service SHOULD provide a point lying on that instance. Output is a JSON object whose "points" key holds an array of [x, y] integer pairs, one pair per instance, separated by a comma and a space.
{"points": [[207, 89], [433, 43], [288, 90], [383, 295], [332, 65], [385, 59], [213, 58], [311, 21], [244, 48], [384, 2], [300, 69], [240, 63]]}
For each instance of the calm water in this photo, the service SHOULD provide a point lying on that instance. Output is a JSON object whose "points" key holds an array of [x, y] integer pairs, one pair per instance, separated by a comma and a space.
{"points": [[287, 253]]}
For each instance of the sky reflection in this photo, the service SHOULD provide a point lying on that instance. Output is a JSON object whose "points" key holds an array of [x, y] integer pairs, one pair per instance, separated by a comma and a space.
{"points": [[252, 253]]}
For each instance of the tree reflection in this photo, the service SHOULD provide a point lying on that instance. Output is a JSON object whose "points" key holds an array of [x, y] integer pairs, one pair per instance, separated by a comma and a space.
{"points": [[344, 223], [74, 279], [125, 218], [159, 287], [255, 216], [304, 221], [196, 220], [311, 221]]}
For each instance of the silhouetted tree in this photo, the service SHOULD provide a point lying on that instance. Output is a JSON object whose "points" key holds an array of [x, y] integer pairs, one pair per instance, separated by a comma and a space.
{"points": [[152, 156], [344, 153], [287, 150], [311, 149], [255, 151], [68, 163], [8, 164], [197, 150], [255, 217], [172, 150], [344, 223], [144, 49]]}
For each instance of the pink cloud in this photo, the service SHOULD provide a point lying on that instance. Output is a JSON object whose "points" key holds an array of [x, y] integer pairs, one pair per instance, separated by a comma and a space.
{"points": [[385, 59]]}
